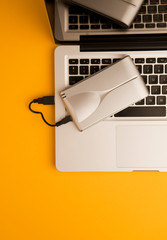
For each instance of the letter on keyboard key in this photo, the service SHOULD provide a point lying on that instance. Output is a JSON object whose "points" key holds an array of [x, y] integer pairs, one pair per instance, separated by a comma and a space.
{"points": [[139, 60], [153, 79], [162, 60], [164, 89], [147, 69], [152, 9], [157, 17], [163, 79], [73, 70], [84, 70], [150, 60], [162, 8], [147, 18], [94, 69], [161, 100], [158, 69], [155, 90], [150, 100]]}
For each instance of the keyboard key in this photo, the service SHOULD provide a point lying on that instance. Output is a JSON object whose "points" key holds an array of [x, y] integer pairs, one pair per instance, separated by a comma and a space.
{"points": [[94, 69], [116, 26], [161, 25], [147, 69], [157, 17], [163, 79], [73, 70], [147, 18], [106, 61], [155, 90], [165, 17], [163, 1], [164, 89], [142, 112], [73, 61], [73, 19], [75, 10], [84, 61], [162, 60], [150, 25], [165, 68], [94, 19], [154, 1], [138, 19], [83, 19], [116, 60], [73, 27], [139, 67], [152, 9], [150, 60], [95, 61], [141, 102], [161, 100], [95, 26], [158, 69], [74, 79], [150, 100], [139, 60], [153, 79], [139, 25], [105, 20], [142, 9], [148, 88], [103, 66], [144, 78], [162, 8], [106, 26], [145, 2], [84, 70], [84, 27]]}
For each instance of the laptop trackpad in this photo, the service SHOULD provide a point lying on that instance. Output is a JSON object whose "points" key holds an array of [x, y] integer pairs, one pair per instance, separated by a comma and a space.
{"points": [[142, 146]]}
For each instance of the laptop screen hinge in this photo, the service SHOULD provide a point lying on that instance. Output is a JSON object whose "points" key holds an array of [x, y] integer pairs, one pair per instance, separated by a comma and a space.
{"points": [[123, 42]]}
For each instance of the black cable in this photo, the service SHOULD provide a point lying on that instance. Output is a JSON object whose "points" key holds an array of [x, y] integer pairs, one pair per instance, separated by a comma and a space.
{"points": [[48, 100]]}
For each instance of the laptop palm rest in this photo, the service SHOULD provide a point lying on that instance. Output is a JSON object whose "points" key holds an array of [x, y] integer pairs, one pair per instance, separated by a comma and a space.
{"points": [[141, 146]]}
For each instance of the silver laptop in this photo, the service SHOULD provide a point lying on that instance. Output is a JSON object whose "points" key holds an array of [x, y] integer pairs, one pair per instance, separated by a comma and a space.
{"points": [[122, 12], [70, 22], [133, 139]]}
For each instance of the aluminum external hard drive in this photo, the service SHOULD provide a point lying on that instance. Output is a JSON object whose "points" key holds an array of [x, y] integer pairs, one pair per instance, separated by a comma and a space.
{"points": [[104, 93]]}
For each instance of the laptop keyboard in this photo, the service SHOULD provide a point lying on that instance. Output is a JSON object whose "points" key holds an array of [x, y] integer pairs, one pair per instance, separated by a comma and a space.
{"points": [[154, 73], [152, 15]]}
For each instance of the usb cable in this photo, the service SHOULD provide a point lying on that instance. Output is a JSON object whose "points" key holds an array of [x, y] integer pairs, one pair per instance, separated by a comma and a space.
{"points": [[48, 100]]}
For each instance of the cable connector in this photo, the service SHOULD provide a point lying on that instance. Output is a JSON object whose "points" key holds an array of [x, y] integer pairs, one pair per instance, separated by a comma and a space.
{"points": [[48, 100], [64, 121]]}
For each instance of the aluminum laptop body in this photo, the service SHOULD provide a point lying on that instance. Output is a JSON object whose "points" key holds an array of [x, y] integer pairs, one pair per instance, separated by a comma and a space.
{"points": [[69, 22], [122, 12], [135, 138]]}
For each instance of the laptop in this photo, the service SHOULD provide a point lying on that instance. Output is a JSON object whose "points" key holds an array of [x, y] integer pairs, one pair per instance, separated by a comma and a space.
{"points": [[70, 22], [135, 138], [122, 12]]}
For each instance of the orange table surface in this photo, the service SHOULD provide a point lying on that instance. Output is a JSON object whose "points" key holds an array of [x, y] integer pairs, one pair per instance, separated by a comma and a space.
{"points": [[36, 200]]}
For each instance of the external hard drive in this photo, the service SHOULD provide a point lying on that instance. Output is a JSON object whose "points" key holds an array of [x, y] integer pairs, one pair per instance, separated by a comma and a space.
{"points": [[104, 93], [121, 11]]}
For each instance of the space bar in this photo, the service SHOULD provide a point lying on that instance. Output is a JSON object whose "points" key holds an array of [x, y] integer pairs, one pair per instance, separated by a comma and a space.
{"points": [[142, 112]]}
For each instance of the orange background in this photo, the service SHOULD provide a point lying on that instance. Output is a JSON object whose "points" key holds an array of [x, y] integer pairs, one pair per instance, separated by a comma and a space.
{"points": [[37, 201]]}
